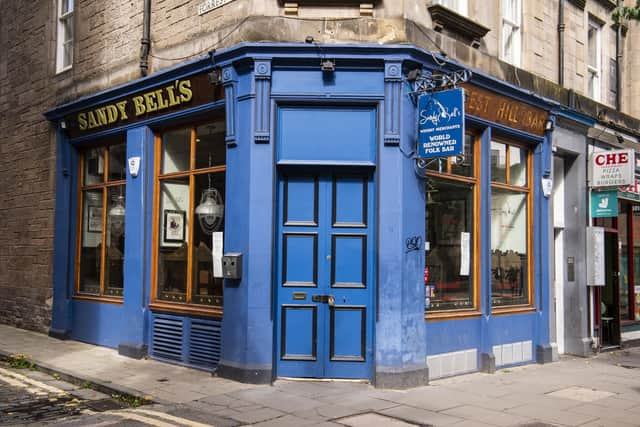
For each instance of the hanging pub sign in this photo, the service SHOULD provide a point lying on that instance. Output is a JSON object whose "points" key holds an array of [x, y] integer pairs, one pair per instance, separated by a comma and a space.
{"points": [[169, 97], [441, 123], [612, 168]]}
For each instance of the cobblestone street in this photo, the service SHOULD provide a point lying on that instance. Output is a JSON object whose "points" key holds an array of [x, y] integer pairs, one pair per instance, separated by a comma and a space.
{"points": [[31, 397]]}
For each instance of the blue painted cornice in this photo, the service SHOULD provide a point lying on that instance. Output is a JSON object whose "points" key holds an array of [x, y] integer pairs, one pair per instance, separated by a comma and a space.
{"points": [[362, 56]]}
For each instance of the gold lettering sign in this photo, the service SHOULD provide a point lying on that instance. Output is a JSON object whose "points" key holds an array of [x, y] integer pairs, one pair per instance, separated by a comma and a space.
{"points": [[179, 94], [503, 110]]}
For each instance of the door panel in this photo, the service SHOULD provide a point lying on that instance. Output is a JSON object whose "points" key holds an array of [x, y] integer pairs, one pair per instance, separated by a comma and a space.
{"points": [[300, 254], [325, 246]]}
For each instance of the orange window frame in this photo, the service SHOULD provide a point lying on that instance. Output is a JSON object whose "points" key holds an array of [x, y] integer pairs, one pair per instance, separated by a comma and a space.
{"points": [[475, 181], [529, 306], [104, 186], [157, 304]]}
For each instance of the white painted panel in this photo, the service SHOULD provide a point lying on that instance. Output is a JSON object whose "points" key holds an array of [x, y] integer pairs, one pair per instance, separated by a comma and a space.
{"points": [[517, 352], [527, 350], [497, 352]]}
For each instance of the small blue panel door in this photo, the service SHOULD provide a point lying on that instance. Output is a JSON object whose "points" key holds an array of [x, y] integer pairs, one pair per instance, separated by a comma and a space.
{"points": [[325, 275]]}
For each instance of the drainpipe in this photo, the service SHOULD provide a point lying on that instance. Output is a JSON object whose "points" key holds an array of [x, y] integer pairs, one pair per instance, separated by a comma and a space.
{"points": [[145, 43], [561, 43], [619, 62]]}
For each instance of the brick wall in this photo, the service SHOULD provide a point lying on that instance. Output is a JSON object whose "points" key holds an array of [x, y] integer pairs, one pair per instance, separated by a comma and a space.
{"points": [[26, 167]]}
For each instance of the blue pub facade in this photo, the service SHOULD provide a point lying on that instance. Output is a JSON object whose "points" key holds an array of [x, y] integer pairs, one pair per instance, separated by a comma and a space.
{"points": [[356, 260]]}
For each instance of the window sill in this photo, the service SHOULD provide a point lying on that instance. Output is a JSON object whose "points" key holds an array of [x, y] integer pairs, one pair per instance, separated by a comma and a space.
{"points": [[514, 309], [63, 70], [443, 17], [452, 315], [186, 309], [97, 298]]}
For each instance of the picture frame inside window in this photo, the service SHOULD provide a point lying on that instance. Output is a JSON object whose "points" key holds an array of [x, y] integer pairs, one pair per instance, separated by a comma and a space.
{"points": [[174, 226]]}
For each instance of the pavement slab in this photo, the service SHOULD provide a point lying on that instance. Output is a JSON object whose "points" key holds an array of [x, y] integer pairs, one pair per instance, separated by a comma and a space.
{"points": [[421, 416], [496, 418]]}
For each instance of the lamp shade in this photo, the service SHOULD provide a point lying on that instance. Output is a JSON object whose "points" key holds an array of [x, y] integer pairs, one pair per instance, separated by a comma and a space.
{"points": [[210, 211]]}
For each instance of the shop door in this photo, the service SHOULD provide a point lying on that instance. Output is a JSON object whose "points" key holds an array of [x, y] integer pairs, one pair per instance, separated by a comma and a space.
{"points": [[325, 276], [609, 294]]}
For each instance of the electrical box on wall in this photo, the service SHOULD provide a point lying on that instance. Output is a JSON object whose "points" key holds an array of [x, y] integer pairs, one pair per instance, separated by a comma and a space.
{"points": [[232, 266]]}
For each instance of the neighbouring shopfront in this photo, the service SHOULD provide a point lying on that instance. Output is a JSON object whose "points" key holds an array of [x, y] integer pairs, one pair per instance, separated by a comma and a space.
{"points": [[267, 218]]}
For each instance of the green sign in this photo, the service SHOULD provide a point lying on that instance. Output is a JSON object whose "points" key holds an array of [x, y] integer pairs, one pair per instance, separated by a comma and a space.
{"points": [[604, 203]]}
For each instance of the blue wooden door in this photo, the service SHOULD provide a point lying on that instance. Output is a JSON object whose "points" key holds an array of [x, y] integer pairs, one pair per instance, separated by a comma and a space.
{"points": [[325, 275]]}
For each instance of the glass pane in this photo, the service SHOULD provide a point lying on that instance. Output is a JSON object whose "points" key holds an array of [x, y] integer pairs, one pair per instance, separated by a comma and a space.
{"points": [[449, 233], [623, 289], [175, 151], [66, 6], [498, 162], [91, 242], [207, 289], [592, 45], [211, 149], [114, 279], [636, 261], [517, 166], [67, 25], [508, 248], [93, 166], [67, 57], [463, 165], [438, 164], [174, 232], [117, 162]]}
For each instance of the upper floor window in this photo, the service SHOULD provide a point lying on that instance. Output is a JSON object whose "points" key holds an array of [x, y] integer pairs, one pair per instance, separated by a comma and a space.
{"points": [[460, 6], [594, 67], [64, 45], [511, 31], [100, 250]]}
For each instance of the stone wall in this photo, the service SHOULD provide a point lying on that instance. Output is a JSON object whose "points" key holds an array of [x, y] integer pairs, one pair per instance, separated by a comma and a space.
{"points": [[27, 159]]}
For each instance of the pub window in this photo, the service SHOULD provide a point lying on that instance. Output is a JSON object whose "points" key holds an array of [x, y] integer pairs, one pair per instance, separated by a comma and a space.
{"points": [[190, 191], [100, 253], [450, 277], [511, 240]]}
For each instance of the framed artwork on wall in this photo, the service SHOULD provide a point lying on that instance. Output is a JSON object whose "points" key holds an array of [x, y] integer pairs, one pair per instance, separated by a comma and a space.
{"points": [[94, 219], [174, 226]]}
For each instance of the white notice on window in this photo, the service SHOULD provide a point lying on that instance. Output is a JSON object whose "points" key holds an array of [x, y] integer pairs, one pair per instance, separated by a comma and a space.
{"points": [[465, 252], [217, 239]]}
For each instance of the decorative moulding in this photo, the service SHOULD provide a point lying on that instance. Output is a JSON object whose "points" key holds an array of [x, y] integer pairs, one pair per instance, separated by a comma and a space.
{"points": [[579, 3], [366, 6], [609, 4], [444, 17]]}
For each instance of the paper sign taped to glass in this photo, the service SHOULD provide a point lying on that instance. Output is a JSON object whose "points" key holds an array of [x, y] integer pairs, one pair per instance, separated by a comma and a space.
{"points": [[217, 240]]}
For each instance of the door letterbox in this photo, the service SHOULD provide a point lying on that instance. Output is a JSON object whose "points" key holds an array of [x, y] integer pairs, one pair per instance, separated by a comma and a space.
{"points": [[232, 266]]}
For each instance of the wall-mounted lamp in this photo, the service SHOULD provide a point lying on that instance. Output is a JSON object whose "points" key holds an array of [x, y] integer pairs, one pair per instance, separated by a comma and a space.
{"points": [[215, 76], [619, 138], [63, 124], [328, 66], [548, 125]]}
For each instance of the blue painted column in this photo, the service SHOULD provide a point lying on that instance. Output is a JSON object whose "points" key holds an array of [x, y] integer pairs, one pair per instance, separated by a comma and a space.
{"points": [[543, 157], [61, 315], [247, 326], [138, 205], [400, 326]]}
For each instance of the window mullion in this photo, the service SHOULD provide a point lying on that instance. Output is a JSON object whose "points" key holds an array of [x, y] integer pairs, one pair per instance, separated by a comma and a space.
{"points": [[103, 246], [190, 214], [507, 160]]}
